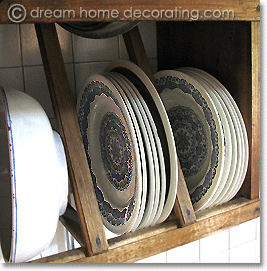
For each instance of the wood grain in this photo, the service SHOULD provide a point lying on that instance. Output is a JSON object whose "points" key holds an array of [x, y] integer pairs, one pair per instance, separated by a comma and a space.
{"points": [[181, 10], [255, 148], [70, 220], [136, 51], [183, 208], [79, 173], [165, 237]]}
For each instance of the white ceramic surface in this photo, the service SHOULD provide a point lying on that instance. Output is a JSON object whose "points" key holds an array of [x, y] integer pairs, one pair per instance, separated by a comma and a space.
{"points": [[151, 151], [146, 159], [112, 149], [229, 159], [199, 133], [156, 147], [151, 96], [36, 178], [235, 138], [244, 153]]}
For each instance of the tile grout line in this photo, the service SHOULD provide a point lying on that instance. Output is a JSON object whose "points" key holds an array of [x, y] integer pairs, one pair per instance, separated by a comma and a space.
{"points": [[22, 60], [199, 251], [229, 245]]}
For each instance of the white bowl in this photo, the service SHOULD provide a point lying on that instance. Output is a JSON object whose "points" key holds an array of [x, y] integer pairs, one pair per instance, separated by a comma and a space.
{"points": [[33, 177]]}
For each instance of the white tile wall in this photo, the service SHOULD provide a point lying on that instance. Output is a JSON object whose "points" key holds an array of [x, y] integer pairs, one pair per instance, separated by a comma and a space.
{"points": [[243, 233], [159, 258], [91, 50], [21, 68], [245, 253], [188, 253], [10, 46], [215, 244]]}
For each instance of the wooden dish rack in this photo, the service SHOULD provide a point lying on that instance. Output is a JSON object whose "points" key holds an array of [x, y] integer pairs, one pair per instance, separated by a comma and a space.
{"points": [[228, 49]]}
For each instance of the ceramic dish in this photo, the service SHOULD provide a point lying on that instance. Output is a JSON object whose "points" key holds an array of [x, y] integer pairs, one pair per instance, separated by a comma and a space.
{"points": [[235, 138], [150, 145], [151, 97], [34, 178], [112, 151], [198, 133], [241, 130], [151, 127], [99, 30], [229, 159], [146, 156]]}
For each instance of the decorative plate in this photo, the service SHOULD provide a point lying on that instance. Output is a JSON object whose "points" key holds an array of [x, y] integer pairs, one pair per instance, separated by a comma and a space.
{"points": [[198, 133], [235, 137], [152, 130], [145, 156], [153, 182], [112, 152], [230, 160], [241, 132], [156, 107]]}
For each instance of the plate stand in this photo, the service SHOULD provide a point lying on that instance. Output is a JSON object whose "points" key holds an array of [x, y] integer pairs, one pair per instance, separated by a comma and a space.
{"points": [[88, 227], [183, 225]]}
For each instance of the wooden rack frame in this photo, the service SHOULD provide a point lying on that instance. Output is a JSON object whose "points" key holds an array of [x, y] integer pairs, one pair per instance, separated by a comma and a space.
{"points": [[183, 226]]}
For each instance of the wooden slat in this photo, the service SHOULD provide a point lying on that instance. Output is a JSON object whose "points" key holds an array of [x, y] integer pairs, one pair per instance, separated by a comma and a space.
{"points": [[137, 52], [183, 208], [249, 103], [255, 148], [79, 173], [70, 220], [167, 236], [181, 10]]}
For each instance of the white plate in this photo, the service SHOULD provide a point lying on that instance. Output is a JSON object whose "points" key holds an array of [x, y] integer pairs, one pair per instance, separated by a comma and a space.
{"points": [[112, 152], [146, 156], [198, 133], [151, 97], [159, 182], [159, 151], [241, 130], [230, 159], [235, 137]]}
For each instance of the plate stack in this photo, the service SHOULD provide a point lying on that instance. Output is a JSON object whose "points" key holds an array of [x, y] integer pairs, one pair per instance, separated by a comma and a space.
{"points": [[130, 147], [210, 134]]}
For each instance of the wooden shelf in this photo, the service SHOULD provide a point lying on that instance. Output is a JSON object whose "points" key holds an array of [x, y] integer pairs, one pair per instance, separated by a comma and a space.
{"points": [[243, 10], [229, 50], [132, 247]]}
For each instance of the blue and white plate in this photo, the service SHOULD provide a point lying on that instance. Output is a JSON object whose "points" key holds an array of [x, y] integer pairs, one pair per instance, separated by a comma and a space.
{"points": [[146, 88], [242, 137], [229, 135], [155, 197], [112, 151], [198, 133], [145, 153]]}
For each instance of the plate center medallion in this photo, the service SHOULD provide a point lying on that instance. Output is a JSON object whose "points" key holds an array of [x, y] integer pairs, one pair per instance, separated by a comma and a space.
{"points": [[116, 151], [190, 139]]}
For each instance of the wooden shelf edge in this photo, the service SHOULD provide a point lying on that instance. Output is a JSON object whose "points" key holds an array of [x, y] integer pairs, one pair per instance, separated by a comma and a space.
{"points": [[142, 244], [187, 10]]}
